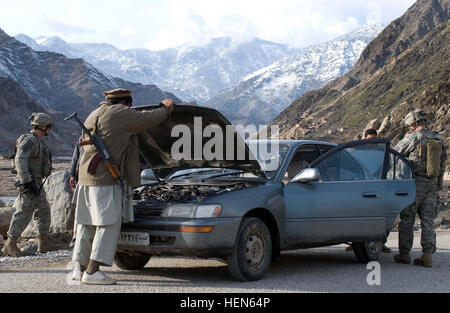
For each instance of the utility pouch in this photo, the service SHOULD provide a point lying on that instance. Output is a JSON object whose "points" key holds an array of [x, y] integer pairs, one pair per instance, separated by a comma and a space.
{"points": [[434, 153], [96, 160]]}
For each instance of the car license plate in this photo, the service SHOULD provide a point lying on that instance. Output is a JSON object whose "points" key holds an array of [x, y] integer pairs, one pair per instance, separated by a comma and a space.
{"points": [[134, 239]]}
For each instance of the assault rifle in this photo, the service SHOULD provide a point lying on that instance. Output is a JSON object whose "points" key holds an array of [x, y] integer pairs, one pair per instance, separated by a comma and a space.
{"points": [[107, 159]]}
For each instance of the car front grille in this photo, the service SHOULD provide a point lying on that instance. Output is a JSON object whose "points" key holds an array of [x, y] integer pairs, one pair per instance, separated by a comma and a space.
{"points": [[162, 240], [149, 209]]}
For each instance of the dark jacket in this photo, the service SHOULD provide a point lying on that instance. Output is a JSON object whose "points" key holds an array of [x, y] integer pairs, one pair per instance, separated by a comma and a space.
{"points": [[75, 165]]}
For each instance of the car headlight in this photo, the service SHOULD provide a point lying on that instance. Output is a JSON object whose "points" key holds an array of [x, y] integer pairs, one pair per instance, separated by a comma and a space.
{"points": [[193, 211]]}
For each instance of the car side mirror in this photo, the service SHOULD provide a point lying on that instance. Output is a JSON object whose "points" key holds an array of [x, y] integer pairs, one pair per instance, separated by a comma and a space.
{"points": [[148, 177], [308, 175]]}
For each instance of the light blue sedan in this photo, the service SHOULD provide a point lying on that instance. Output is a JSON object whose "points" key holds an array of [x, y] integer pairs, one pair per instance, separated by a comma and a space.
{"points": [[303, 194]]}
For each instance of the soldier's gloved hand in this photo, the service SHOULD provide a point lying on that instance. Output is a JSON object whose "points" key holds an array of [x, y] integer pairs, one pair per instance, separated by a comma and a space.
{"points": [[31, 187]]}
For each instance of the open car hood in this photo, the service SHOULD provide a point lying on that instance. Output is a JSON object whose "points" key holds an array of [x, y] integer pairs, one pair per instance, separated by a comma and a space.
{"points": [[156, 143]]}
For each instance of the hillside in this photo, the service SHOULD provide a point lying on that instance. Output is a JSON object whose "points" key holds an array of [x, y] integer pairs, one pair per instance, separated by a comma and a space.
{"points": [[49, 82], [15, 109], [406, 67], [64, 84]]}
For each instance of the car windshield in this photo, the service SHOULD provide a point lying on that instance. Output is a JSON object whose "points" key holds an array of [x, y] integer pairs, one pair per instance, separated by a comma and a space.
{"points": [[270, 156]]}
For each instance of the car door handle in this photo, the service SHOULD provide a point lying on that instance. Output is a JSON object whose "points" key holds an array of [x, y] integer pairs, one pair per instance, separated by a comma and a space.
{"points": [[371, 195], [402, 193]]}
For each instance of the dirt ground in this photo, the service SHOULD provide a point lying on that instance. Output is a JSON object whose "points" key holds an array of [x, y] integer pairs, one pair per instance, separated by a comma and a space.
{"points": [[7, 178]]}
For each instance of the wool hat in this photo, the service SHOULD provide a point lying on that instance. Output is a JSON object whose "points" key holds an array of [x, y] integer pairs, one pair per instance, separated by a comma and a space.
{"points": [[117, 93]]}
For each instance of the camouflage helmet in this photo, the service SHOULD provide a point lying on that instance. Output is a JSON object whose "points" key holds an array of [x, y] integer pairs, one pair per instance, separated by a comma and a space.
{"points": [[40, 119], [416, 117]]}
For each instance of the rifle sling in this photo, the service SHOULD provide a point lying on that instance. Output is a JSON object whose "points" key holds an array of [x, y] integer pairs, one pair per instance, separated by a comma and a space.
{"points": [[86, 143]]}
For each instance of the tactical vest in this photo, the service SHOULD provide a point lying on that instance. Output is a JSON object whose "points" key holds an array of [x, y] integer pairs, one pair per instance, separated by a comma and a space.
{"points": [[40, 161]]}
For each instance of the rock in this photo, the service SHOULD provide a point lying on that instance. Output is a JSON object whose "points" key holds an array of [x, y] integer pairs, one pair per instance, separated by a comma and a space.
{"points": [[29, 247], [444, 216], [385, 126], [59, 241], [375, 124], [6, 214], [7, 201], [59, 197]]}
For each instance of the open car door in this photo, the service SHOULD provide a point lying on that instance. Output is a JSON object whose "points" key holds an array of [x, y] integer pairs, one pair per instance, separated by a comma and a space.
{"points": [[353, 200], [401, 188]]}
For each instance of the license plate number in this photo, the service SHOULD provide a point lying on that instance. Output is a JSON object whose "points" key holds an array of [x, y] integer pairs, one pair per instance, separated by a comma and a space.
{"points": [[134, 239]]}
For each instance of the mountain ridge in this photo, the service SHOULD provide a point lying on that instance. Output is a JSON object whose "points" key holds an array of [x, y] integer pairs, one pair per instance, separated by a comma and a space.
{"points": [[63, 83], [192, 72], [405, 67], [262, 95], [59, 86]]}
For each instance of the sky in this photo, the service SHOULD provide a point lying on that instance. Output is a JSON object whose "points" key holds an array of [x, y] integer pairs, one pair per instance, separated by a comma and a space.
{"points": [[161, 24]]}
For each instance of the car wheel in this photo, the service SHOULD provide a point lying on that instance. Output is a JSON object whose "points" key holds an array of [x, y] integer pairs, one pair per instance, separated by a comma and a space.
{"points": [[252, 252], [130, 262], [367, 251]]}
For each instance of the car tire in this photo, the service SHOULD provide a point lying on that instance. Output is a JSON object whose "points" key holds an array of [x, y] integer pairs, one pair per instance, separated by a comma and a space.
{"points": [[130, 262], [367, 251], [252, 252]]}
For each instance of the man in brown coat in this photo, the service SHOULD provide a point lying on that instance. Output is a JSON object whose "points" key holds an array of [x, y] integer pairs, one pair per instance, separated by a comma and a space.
{"points": [[101, 206]]}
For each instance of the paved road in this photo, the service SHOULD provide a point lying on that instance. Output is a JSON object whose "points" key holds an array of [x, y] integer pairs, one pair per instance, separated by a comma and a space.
{"points": [[315, 270]]}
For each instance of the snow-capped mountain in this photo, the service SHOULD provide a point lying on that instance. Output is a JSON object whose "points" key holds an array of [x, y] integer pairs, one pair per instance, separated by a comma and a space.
{"points": [[62, 83], [249, 81], [194, 73], [265, 93], [36, 81]]}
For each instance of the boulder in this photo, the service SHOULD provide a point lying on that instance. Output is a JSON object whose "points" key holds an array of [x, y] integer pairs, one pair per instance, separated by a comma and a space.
{"points": [[6, 214], [385, 126], [444, 219], [59, 197], [375, 124]]}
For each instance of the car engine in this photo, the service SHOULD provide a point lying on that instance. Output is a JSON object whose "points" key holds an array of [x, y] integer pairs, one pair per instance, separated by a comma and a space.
{"points": [[182, 193]]}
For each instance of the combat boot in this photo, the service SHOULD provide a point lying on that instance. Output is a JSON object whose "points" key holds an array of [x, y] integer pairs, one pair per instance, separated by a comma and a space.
{"points": [[45, 245], [11, 248], [426, 260], [404, 258]]}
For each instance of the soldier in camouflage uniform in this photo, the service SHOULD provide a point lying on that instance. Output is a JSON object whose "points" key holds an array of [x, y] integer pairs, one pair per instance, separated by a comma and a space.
{"points": [[415, 146], [33, 163]]}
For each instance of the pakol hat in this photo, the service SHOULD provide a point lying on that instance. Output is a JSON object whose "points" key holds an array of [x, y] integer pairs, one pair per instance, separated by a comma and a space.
{"points": [[117, 93]]}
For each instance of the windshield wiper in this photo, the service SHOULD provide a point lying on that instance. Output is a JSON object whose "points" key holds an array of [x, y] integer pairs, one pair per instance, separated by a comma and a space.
{"points": [[191, 173], [223, 175]]}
